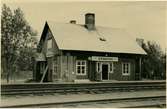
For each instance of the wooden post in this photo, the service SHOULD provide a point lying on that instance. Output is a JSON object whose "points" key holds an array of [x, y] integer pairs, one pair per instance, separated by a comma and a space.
{"points": [[35, 70], [140, 67], [61, 62], [43, 76]]}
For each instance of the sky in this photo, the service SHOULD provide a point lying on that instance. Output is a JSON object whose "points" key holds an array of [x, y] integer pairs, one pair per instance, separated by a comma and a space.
{"points": [[141, 19]]}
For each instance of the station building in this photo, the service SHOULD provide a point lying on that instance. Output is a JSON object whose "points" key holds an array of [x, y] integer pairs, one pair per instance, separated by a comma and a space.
{"points": [[71, 52]]}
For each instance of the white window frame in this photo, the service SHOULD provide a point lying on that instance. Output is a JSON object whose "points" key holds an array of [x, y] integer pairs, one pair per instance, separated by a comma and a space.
{"points": [[98, 66], [129, 69], [85, 69]]}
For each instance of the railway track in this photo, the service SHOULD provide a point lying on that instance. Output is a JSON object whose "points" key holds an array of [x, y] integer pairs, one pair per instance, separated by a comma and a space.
{"points": [[107, 102], [37, 88]]}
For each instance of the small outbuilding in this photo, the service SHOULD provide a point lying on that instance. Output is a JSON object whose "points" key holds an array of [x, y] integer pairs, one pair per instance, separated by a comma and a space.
{"points": [[71, 52]]}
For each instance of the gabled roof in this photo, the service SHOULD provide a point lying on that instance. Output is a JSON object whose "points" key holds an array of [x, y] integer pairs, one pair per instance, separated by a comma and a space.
{"points": [[102, 39]]}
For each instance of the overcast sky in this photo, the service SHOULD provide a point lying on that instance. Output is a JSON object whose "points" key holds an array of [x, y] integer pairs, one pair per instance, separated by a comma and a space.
{"points": [[145, 20]]}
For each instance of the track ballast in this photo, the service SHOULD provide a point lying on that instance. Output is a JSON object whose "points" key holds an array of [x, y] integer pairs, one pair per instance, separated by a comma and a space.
{"points": [[37, 88]]}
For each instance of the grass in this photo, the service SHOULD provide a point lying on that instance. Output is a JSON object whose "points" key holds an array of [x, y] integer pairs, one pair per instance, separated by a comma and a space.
{"points": [[21, 77]]}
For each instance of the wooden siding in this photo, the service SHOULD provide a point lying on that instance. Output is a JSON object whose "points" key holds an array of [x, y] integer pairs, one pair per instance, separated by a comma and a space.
{"points": [[56, 68], [137, 70], [117, 73], [92, 70], [67, 68], [55, 48]]}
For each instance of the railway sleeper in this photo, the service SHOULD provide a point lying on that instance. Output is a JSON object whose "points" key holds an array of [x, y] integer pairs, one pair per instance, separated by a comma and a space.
{"points": [[59, 91], [56, 88]]}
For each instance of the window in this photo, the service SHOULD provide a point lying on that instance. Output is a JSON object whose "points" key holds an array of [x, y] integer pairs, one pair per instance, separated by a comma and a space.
{"points": [[49, 34], [81, 67], [49, 45], [49, 40], [111, 67], [126, 68]]}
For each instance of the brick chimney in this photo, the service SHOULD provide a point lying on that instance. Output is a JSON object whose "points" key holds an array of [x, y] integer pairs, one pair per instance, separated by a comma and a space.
{"points": [[90, 21]]}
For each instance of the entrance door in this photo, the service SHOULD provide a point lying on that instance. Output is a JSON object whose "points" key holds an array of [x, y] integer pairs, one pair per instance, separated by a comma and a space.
{"points": [[104, 71]]}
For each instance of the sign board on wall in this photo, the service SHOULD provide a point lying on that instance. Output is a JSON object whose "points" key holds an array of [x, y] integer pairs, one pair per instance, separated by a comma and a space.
{"points": [[100, 58]]}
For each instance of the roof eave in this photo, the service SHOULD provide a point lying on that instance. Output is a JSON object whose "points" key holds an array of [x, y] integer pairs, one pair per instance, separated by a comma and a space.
{"points": [[104, 52]]}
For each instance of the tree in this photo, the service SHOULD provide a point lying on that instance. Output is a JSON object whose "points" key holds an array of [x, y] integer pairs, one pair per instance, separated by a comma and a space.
{"points": [[155, 61], [16, 36]]}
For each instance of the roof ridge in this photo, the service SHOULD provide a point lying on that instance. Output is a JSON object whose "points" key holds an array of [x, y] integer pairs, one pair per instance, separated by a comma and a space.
{"points": [[96, 26]]}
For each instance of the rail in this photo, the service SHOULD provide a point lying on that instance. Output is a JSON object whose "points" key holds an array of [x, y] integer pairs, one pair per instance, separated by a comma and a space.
{"points": [[19, 89]]}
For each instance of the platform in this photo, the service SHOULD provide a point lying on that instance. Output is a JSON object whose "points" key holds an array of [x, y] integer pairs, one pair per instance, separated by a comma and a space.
{"points": [[57, 98]]}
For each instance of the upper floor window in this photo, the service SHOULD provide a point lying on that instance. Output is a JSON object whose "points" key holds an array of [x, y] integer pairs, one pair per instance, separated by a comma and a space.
{"points": [[49, 40], [49, 44], [49, 35], [81, 67], [126, 68]]}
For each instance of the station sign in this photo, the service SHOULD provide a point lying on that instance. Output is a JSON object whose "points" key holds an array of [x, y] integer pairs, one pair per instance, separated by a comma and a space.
{"points": [[101, 58]]}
